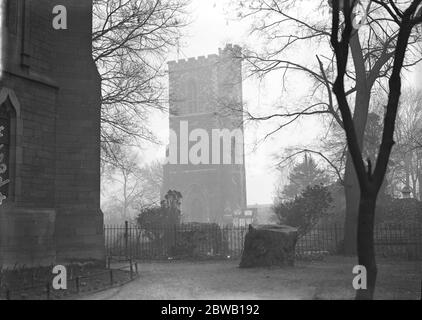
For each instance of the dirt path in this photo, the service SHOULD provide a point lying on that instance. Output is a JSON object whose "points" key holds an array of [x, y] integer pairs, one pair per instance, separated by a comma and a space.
{"points": [[329, 279]]}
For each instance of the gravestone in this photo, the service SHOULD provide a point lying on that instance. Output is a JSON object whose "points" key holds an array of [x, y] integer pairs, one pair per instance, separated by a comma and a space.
{"points": [[269, 245]]}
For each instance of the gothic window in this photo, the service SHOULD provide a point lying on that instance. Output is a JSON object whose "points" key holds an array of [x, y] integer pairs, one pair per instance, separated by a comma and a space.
{"points": [[192, 97], [6, 123]]}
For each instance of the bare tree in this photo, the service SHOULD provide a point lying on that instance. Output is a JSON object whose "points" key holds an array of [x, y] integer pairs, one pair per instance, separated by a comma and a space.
{"points": [[131, 187], [372, 54], [126, 177], [406, 16], [407, 154], [152, 177], [131, 40]]}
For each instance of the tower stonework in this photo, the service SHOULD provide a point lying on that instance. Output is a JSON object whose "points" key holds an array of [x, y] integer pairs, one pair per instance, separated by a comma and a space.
{"points": [[50, 114], [206, 93]]}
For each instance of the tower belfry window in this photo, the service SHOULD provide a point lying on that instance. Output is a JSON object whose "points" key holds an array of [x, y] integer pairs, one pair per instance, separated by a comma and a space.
{"points": [[192, 97]]}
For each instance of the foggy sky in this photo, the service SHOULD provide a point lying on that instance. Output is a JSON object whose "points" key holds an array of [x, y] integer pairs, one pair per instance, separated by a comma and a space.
{"points": [[211, 29]]}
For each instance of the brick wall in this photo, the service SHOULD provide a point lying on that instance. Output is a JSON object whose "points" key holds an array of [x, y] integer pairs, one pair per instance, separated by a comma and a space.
{"points": [[79, 220], [54, 214]]}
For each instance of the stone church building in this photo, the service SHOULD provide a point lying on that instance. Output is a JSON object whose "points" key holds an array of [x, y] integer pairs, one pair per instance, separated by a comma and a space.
{"points": [[206, 93], [50, 136]]}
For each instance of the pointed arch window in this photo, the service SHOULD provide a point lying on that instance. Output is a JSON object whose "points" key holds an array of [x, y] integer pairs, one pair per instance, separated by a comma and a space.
{"points": [[7, 117]]}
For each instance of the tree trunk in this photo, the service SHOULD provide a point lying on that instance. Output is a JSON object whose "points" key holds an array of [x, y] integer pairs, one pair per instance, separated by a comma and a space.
{"points": [[351, 184], [352, 193], [369, 181], [419, 173], [420, 185], [365, 244], [360, 117]]}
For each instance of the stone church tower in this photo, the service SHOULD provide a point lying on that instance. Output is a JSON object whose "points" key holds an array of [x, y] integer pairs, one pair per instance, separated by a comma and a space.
{"points": [[50, 136], [206, 93]]}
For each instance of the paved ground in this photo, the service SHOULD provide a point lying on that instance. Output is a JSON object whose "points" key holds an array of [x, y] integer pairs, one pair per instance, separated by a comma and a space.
{"points": [[328, 279]]}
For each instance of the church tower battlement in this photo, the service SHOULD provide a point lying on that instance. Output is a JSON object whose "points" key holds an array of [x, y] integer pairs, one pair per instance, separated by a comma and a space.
{"points": [[206, 84]]}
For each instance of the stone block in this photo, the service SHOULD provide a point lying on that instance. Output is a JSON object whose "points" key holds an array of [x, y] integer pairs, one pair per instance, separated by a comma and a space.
{"points": [[269, 245]]}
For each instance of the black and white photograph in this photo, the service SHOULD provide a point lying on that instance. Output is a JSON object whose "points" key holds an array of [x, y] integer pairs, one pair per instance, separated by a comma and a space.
{"points": [[210, 156]]}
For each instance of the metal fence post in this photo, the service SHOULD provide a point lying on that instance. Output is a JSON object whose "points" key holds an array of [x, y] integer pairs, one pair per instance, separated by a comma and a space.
{"points": [[335, 238], [111, 277], [126, 236], [77, 284], [108, 262], [48, 290], [105, 238], [131, 269]]}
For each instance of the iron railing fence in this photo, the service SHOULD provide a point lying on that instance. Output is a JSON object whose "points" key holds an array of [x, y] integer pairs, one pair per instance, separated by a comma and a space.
{"points": [[163, 242], [213, 241]]}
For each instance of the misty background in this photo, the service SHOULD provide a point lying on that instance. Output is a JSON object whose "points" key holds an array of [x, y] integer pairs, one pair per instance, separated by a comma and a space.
{"points": [[211, 26]]}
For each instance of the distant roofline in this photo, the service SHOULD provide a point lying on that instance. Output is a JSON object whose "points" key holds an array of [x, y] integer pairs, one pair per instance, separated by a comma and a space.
{"points": [[259, 205]]}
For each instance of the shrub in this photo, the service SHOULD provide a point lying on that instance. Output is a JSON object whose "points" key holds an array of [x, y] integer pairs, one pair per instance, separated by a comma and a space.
{"points": [[306, 210], [158, 220], [399, 212], [196, 240]]}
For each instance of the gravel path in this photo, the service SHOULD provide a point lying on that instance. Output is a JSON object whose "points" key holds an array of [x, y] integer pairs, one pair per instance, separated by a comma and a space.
{"points": [[328, 279]]}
